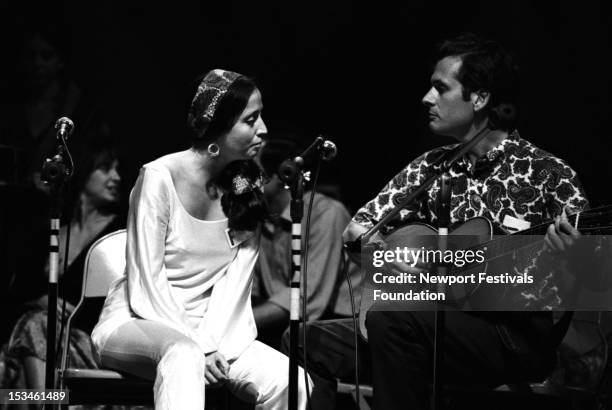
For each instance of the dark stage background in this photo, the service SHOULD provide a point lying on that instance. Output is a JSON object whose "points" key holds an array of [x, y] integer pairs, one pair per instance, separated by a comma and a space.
{"points": [[354, 73]]}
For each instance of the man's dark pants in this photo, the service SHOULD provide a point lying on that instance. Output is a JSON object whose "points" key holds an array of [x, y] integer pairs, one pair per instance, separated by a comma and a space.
{"points": [[486, 350], [480, 349]]}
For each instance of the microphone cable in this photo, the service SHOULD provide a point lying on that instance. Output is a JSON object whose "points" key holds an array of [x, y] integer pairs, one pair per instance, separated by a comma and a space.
{"points": [[58, 345], [305, 279], [345, 269]]}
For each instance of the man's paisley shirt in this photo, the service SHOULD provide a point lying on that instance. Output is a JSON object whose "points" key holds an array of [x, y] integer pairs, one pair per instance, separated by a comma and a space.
{"points": [[513, 181]]}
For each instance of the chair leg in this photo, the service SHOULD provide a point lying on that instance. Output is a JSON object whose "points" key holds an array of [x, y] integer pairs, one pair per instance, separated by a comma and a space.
{"points": [[363, 404]]}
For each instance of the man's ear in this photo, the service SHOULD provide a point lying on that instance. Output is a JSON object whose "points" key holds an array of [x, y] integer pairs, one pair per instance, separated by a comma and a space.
{"points": [[480, 99]]}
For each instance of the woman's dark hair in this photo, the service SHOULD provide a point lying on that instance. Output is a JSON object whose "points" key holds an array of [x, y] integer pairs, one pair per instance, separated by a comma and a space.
{"points": [[99, 152], [229, 108], [242, 200], [486, 66]]}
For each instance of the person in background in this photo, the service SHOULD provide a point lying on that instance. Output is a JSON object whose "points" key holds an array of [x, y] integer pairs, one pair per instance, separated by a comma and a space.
{"points": [[328, 268], [41, 89], [93, 211]]}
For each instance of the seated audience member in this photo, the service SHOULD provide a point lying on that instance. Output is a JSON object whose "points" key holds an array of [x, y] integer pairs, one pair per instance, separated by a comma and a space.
{"points": [[95, 213]]}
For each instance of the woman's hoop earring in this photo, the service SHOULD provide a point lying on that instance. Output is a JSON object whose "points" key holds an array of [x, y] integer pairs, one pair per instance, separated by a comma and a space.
{"points": [[213, 150]]}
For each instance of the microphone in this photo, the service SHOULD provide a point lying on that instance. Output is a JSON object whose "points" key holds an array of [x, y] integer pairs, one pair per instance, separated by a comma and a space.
{"points": [[290, 167], [326, 148], [64, 127], [328, 151]]}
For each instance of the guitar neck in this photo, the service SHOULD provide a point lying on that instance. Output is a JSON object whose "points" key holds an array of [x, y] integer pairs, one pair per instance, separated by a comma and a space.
{"points": [[592, 222]]}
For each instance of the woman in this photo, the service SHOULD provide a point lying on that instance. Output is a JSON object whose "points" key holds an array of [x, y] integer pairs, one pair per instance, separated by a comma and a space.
{"points": [[94, 214], [182, 313]]}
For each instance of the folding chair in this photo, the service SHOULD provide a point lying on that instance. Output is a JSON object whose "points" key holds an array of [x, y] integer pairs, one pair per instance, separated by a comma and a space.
{"points": [[105, 261], [365, 390]]}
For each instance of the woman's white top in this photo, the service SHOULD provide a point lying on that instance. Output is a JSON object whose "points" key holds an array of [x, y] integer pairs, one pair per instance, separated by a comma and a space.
{"points": [[181, 271]]}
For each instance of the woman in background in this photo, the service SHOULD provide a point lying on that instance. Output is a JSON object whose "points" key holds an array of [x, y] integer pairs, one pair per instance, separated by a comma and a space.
{"points": [[94, 214]]}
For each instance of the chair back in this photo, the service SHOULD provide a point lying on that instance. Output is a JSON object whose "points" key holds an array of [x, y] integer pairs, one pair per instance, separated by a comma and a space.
{"points": [[105, 262]]}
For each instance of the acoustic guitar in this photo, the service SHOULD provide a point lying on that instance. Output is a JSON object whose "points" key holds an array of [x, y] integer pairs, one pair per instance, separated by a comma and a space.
{"points": [[502, 253]]}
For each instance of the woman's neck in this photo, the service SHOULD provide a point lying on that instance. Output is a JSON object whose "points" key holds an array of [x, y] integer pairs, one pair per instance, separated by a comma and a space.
{"points": [[90, 214], [209, 168]]}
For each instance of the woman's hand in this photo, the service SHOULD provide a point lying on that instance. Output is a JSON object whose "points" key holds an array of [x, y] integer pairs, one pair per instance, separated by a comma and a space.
{"points": [[217, 370]]}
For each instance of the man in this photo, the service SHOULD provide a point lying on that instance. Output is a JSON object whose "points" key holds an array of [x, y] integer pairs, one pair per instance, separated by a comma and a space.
{"points": [[503, 178], [328, 295]]}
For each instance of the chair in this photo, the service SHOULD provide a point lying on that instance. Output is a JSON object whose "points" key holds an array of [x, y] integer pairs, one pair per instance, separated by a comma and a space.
{"points": [[105, 261], [365, 390]]}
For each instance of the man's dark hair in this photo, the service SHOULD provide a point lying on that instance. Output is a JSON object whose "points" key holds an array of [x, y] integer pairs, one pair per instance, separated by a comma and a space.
{"points": [[278, 147], [486, 66]]}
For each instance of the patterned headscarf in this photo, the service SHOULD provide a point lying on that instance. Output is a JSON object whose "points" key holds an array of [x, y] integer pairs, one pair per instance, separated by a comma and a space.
{"points": [[210, 91]]}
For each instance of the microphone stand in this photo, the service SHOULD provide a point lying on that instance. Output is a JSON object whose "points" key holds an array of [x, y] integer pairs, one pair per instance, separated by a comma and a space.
{"points": [[443, 212], [55, 172], [297, 212], [292, 174], [444, 221]]}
